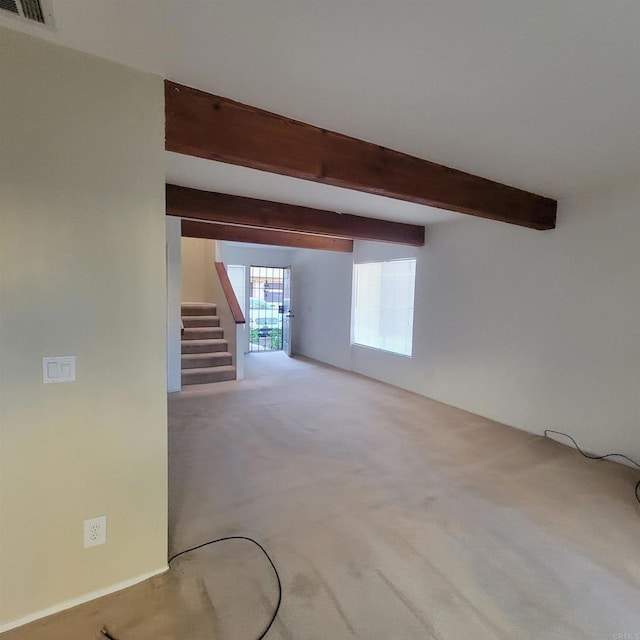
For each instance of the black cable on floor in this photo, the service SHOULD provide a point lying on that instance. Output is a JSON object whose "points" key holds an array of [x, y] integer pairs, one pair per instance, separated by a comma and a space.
{"points": [[107, 635], [266, 555], [607, 455]]}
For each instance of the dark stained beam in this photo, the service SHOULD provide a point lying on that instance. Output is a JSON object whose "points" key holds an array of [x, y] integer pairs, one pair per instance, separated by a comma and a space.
{"points": [[208, 126], [213, 231], [223, 208]]}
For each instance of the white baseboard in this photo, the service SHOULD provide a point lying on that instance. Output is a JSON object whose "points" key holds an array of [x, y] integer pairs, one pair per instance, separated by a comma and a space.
{"points": [[74, 602]]}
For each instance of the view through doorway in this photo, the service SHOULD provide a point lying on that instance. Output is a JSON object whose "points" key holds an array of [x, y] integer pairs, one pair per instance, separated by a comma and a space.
{"points": [[266, 308]]}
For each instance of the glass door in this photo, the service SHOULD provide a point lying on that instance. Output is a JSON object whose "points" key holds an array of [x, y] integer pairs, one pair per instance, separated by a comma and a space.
{"points": [[266, 300]]}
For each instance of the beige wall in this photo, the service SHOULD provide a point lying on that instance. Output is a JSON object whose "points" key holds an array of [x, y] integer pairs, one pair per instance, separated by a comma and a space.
{"points": [[200, 283], [82, 272], [198, 257]]}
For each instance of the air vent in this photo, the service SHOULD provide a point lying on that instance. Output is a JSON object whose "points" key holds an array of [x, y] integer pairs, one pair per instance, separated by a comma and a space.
{"points": [[9, 5], [31, 11]]}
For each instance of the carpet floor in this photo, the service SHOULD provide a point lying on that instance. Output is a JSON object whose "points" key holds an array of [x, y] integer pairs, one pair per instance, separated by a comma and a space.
{"points": [[388, 515]]}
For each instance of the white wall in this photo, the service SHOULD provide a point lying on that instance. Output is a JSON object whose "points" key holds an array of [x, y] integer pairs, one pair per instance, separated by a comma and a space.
{"points": [[261, 256], [534, 329], [82, 272], [174, 280], [322, 293]]}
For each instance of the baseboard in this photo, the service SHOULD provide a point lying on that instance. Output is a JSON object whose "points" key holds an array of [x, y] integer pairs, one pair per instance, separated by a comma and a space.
{"points": [[74, 602]]}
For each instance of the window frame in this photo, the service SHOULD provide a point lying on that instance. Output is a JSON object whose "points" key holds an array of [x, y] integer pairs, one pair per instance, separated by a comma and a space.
{"points": [[354, 300]]}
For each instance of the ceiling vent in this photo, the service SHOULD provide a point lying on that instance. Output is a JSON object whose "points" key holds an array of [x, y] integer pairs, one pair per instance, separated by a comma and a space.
{"points": [[29, 11]]}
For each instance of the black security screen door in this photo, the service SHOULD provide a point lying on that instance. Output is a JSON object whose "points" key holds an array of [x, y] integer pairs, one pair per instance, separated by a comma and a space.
{"points": [[266, 308]]}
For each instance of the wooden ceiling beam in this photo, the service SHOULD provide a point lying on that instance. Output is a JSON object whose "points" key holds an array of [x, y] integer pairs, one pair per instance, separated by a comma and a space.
{"points": [[215, 231], [208, 126], [264, 214]]}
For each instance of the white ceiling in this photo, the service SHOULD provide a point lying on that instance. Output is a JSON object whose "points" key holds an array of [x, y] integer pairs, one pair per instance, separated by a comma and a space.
{"points": [[227, 178], [543, 95]]}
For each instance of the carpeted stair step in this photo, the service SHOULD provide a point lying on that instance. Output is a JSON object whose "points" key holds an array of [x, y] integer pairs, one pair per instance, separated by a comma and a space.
{"points": [[205, 352], [206, 375], [202, 360], [200, 321], [204, 346], [199, 309], [202, 333]]}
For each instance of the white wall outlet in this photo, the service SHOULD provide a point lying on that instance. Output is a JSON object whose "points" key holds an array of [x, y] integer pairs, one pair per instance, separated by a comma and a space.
{"points": [[59, 369], [95, 531]]}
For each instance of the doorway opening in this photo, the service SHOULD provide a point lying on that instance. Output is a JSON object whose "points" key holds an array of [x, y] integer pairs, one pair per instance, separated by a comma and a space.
{"points": [[266, 308]]}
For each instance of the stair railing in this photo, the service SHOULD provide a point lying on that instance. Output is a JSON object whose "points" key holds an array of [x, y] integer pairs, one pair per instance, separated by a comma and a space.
{"points": [[230, 294], [238, 317]]}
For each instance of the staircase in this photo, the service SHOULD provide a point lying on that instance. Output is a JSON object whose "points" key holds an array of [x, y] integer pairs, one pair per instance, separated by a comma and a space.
{"points": [[205, 352]]}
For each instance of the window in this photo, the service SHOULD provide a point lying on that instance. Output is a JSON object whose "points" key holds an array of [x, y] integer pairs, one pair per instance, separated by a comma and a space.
{"points": [[236, 275], [256, 303], [383, 305]]}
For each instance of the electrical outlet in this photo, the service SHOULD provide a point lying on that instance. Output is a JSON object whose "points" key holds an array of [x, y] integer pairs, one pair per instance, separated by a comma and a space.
{"points": [[95, 531]]}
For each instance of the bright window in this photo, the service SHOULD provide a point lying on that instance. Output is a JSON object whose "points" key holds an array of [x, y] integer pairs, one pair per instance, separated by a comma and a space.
{"points": [[383, 305]]}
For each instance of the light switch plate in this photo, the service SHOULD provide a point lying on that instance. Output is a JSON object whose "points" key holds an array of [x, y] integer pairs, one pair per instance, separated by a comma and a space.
{"points": [[59, 369]]}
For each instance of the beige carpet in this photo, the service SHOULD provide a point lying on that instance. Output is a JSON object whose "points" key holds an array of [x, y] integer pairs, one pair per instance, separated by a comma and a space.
{"points": [[389, 516]]}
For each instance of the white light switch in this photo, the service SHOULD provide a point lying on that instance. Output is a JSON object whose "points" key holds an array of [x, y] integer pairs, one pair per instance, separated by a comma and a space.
{"points": [[59, 369], [52, 370]]}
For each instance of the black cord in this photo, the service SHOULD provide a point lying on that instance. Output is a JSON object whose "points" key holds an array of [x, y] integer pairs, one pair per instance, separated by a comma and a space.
{"points": [[607, 455], [107, 635], [266, 555]]}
